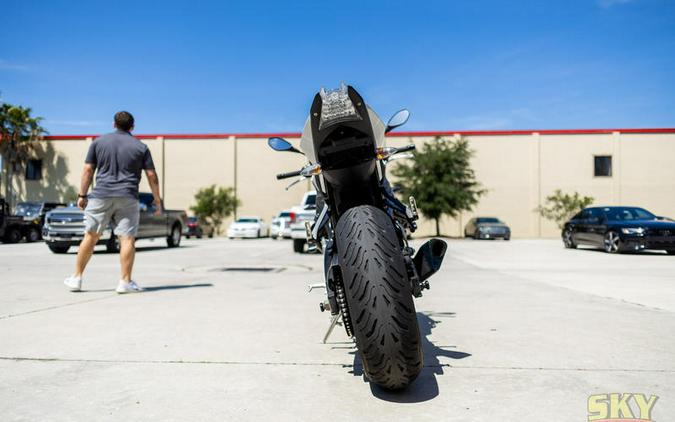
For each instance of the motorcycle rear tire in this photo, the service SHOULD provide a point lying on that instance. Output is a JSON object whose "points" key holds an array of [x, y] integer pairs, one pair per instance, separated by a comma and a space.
{"points": [[379, 297]]}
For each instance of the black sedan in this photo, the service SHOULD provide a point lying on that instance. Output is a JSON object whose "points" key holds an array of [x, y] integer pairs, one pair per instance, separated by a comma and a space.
{"points": [[620, 229], [487, 228]]}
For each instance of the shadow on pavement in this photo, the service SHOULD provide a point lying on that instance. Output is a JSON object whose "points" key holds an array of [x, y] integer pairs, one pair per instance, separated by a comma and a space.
{"points": [[154, 288], [647, 252], [425, 387], [139, 249], [176, 287]]}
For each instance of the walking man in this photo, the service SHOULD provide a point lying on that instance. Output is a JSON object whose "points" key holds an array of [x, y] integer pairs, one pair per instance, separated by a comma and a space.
{"points": [[118, 159]]}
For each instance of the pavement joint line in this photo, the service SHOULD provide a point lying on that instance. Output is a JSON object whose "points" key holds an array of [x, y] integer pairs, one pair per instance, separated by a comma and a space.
{"points": [[49, 308], [342, 365]]}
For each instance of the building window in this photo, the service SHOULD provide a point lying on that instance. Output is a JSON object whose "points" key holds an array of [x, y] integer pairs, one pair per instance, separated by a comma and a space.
{"points": [[34, 170], [602, 166]]}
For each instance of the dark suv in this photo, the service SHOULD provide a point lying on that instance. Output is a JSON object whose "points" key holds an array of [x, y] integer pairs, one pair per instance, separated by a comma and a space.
{"points": [[13, 228], [620, 229]]}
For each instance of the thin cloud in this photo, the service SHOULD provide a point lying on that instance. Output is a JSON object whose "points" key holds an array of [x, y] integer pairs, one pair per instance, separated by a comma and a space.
{"points": [[609, 3], [5, 65]]}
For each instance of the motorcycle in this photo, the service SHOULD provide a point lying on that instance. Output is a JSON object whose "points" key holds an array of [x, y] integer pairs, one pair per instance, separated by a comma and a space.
{"points": [[371, 271]]}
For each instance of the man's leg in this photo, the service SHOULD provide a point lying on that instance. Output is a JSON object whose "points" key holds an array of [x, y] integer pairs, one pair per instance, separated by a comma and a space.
{"points": [[84, 252], [127, 255]]}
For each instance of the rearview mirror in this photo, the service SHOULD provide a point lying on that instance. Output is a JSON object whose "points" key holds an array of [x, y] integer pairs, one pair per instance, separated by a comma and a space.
{"points": [[280, 144], [397, 120]]}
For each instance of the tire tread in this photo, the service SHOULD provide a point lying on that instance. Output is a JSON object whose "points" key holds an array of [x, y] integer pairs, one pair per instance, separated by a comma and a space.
{"points": [[379, 297]]}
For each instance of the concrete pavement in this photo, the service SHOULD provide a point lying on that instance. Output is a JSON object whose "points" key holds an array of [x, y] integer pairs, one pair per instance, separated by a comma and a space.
{"points": [[520, 330]]}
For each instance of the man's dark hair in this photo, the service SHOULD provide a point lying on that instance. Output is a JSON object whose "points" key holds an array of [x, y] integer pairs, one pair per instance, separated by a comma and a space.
{"points": [[124, 121]]}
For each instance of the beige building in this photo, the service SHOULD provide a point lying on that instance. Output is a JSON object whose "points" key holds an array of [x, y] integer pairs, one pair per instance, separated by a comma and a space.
{"points": [[518, 168]]}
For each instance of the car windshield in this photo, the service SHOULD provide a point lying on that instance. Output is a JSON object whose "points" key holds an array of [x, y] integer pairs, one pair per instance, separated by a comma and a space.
{"points": [[284, 214], [311, 200], [27, 208], [247, 220], [628, 213], [487, 220]]}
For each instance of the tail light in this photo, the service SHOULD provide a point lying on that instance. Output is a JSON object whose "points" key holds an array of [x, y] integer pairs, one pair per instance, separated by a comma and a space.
{"points": [[292, 217]]}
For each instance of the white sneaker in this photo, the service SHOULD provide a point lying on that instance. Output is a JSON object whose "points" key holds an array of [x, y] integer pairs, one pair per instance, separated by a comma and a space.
{"points": [[73, 283], [130, 287]]}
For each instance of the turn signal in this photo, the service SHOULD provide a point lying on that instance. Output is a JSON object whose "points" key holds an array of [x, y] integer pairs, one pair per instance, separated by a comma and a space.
{"points": [[385, 152]]}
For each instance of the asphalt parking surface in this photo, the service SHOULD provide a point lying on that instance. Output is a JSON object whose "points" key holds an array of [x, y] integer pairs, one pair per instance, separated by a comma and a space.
{"points": [[520, 330]]}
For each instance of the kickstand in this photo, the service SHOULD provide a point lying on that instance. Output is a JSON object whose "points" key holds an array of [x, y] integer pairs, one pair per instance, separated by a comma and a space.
{"points": [[334, 320]]}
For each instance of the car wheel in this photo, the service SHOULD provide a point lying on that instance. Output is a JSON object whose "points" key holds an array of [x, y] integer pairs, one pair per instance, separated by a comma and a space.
{"points": [[57, 248], [476, 235], [32, 235], [299, 245], [173, 241], [507, 238], [612, 242], [12, 235], [568, 240], [113, 244]]}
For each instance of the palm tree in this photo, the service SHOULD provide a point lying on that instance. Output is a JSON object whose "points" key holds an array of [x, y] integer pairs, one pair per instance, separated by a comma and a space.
{"points": [[18, 133]]}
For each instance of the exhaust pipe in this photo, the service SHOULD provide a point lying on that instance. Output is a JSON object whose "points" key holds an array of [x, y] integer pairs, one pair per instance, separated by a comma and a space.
{"points": [[429, 258]]}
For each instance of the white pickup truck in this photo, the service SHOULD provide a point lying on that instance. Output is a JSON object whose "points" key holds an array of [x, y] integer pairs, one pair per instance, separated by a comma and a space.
{"points": [[303, 212]]}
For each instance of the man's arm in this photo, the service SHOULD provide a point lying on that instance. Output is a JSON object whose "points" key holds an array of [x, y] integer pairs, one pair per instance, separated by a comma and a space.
{"points": [[153, 180], [85, 183]]}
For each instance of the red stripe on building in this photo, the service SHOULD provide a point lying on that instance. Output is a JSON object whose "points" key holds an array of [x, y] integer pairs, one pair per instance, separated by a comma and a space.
{"points": [[393, 134]]}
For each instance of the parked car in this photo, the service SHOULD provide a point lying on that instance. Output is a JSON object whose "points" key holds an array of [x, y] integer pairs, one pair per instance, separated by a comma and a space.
{"points": [[487, 228], [281, 224], [619, 229], [32, 210], [198, 228], [248, 227], [13, 228], [303, 212], [64, 226]]}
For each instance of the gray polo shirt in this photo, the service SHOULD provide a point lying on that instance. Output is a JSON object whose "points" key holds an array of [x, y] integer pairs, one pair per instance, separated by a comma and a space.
{"points": [[119, 159]]}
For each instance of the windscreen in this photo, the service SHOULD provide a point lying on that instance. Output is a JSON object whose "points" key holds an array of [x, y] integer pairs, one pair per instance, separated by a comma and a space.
{"points": [[247, 220], [27, 209]]}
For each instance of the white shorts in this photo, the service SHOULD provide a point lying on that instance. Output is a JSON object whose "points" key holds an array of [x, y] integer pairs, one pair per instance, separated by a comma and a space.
{"points": [[122, 213]]}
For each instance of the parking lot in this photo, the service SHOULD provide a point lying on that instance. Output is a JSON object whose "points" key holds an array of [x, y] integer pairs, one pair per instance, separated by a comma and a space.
{"points": [[519, 330]]}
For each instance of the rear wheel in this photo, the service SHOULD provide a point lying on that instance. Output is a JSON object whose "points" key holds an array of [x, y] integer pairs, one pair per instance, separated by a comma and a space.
{"points": [[112, 245], [173, 241], [299, 245], [379, 297], [32, 234], [568, 240], [12, 235], [612, 242]]}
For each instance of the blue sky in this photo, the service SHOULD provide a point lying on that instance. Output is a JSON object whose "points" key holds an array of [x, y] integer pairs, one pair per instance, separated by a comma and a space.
{"points": [[222, 66]]}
